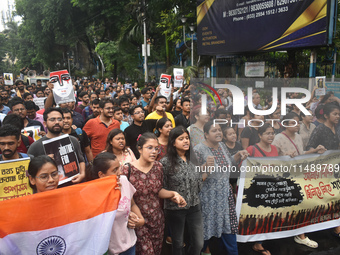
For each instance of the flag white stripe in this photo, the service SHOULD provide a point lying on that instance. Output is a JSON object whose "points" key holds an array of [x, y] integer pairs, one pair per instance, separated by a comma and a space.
{"points": [[89, 236]]}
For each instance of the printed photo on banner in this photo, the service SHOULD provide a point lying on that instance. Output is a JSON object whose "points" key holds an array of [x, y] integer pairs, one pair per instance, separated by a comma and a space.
{"points": [[178, 77], [63, 90], [8, 78], [64, 155], [321, 85], [283, 196], [165, 82], [14, 181], [32, 131]]}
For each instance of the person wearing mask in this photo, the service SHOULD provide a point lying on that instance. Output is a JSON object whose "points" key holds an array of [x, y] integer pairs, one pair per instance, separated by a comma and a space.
{"points": [[146, 175], [53, 120], [97, 129], [116, 144]]}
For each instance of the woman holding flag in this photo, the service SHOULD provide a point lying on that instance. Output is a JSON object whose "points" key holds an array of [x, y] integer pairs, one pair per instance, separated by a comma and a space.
{"points": [[123, 237]]}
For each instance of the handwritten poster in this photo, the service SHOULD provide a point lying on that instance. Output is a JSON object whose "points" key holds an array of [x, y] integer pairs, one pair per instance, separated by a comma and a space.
{"points": [[64, 155], [281, 196], [14, 181], [40, 102]]}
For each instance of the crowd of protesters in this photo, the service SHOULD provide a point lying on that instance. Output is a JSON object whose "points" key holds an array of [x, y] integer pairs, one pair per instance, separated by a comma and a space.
{"points": [[154, 143]]}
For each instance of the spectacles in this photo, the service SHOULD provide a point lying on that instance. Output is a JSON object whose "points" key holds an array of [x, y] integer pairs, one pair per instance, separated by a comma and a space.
{"points": [[46, 177], [19, 110], [139, 112], [152, 149], [55, 119]]}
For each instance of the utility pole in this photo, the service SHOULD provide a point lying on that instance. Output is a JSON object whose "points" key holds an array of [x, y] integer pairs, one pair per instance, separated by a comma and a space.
{"points": [[145, 46]]}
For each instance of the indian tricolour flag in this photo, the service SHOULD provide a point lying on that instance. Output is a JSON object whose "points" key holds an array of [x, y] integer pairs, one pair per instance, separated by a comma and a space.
{"points": [[72, 220]]}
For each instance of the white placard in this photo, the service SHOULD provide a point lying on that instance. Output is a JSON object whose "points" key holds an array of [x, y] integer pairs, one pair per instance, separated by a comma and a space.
{"points": [[178, 77]]}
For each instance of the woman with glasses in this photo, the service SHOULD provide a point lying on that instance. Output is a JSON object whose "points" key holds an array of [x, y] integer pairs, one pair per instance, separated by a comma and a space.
{"points": [[218, 205], [163, 128], [43, 174], [116, 144], [146, 175]]}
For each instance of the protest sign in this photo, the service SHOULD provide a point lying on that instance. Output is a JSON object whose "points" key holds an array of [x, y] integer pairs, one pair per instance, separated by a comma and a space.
{"points": [[178, 77], [320, 83], [32, 131], [282, 196], [64, 155], [40, 102], [14, 181], [165, 83], [63, 90], [334, 87], [8, 78]]}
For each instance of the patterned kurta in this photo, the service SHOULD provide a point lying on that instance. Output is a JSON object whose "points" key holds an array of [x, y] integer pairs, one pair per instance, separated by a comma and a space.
{"points": [[218, 205], [148, 185]]}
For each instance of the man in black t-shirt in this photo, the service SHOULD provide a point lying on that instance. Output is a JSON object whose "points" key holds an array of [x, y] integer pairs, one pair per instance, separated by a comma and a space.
{"points": [[138, 127]]}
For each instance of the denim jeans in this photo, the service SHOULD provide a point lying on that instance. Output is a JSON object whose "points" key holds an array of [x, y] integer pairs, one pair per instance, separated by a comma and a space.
{"points": [[131, 251], [191, 219]]}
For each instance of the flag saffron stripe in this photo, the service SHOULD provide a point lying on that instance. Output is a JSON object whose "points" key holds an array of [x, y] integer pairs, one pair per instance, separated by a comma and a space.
{"points": [[59, 207]]}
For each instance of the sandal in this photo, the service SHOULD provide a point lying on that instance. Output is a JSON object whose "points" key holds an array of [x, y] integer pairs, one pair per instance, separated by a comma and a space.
{"points": [[309, 243], [262, 252]]}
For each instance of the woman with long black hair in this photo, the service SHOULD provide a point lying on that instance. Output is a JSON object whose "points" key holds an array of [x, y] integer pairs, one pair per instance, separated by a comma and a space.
{"points": [[180, 176]]}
